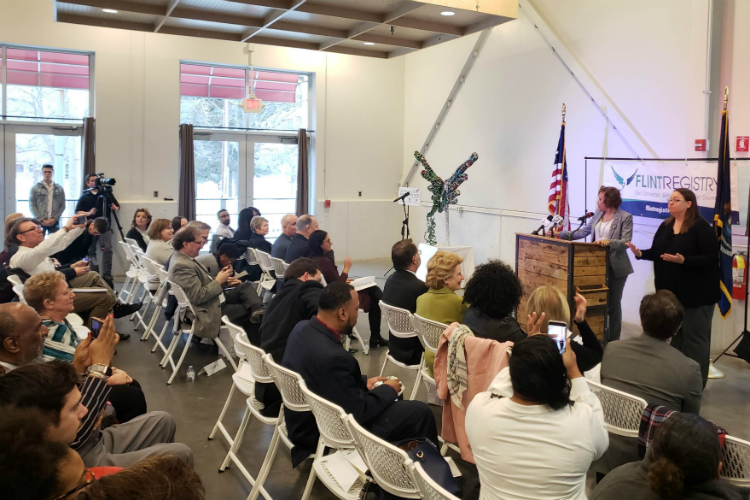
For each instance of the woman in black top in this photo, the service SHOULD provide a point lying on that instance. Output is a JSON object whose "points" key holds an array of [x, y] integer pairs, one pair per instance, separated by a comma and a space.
{"points": [[244, 231], [139, 229], [259, 227], [685, 253]]}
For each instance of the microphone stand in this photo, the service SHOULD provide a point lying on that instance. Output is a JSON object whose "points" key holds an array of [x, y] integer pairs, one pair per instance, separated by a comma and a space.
{"points": [[405, 233]]}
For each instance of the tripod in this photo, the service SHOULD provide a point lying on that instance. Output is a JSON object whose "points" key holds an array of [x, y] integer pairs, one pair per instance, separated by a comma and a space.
{"points": [[106, 197], [745, 331]]}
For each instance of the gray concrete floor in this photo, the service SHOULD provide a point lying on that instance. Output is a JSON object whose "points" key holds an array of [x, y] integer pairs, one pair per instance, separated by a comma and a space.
{"points": [[196, 406]]}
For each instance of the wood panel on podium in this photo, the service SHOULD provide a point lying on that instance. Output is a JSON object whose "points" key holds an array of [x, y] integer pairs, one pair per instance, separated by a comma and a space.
{"points": [[571, 266]]}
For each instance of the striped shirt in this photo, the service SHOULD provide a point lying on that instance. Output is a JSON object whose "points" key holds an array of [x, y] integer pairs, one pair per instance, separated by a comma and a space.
{"points": [[61, 341]]}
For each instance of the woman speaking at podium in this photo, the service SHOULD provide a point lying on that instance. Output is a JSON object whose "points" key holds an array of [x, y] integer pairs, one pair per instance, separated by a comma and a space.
{"points": [[685, 253], [611, 227]]}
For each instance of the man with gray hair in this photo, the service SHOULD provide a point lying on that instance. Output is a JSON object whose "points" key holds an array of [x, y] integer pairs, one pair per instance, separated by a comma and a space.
{"points": [[306, 225], [288, 230]]}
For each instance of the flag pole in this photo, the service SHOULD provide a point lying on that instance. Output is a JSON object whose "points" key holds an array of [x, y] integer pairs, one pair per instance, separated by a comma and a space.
{"points": [[563, 111]]}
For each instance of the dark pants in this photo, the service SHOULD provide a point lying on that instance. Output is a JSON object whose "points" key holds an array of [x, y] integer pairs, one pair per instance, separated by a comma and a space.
{"points": [[128, 401], [374, 316], [405, 420], [240, 303], [51, 229], [103, 242], [614, 301], [694, 338]]}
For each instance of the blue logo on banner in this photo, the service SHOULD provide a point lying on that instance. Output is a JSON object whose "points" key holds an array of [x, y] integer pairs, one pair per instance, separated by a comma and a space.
{"points": [[623, 182]]}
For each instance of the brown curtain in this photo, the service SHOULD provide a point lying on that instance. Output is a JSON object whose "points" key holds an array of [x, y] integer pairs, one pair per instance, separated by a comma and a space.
{"points": [[186, 205], [89, 148], [303, 175]]}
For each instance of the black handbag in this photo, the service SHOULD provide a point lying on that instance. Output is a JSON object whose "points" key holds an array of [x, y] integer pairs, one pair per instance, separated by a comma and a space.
{"points": [[425, 453]]}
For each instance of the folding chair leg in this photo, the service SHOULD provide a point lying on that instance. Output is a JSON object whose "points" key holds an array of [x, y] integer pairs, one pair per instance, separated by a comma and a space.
{"points": [[182, 357], [417, 380], [165, 359], [267, 463], [385, 361], [141, 299], [356, 334], [237, 441], [160, 336], [123, 292], [311, 478], [221, 415], [152, 323], [226, 353]]}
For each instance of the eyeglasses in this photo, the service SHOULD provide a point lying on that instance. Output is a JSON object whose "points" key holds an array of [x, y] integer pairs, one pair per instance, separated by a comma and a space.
{"points": [[672, 200], [35, 228], [88, 475]]}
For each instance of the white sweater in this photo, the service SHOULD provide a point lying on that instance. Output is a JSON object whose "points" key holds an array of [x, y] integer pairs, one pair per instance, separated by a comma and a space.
{"points": [[532, 452], [37, 260]]}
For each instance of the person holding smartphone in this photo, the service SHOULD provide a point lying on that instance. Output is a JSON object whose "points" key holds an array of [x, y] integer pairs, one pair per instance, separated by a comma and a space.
{"points": [[535, 432]]}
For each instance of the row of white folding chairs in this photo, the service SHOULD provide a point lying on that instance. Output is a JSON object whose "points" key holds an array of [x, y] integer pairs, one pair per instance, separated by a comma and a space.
{"points": [[338, 431]]}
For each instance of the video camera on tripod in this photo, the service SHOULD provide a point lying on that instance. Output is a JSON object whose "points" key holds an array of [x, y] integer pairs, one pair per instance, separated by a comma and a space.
{"points": [[104, 183], [104, 186]]}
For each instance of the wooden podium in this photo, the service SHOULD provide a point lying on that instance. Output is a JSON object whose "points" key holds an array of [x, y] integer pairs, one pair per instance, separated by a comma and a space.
{"points": [[571, 266]]}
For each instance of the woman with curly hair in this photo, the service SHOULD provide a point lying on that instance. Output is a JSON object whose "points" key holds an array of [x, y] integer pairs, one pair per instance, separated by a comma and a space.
{"points": [[139, 230], [441, 303], [493, 293]]}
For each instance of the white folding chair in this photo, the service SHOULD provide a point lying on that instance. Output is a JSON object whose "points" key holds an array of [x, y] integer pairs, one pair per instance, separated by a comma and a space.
{"points": [[182, 304], [18, 290], [279, 267], [160, 302], [15, 279], [133, 244], [334, 434], [131, 275], [148, 279], [288, 384], [267, 281], [736, 462], [400, 325], [622, 411], [428, 488], [254, 357], [428, 332], [388, 464], [245, 385]]}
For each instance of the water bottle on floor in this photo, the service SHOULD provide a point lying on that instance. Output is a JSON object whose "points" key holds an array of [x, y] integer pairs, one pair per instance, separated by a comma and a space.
{"points": [[191, 374]]}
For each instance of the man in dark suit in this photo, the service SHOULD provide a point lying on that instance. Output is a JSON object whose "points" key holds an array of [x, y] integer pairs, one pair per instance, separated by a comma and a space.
{"points": [[401, 290], [306, 225], [288, 230], [315, 352], [648, 367], [297, 301]]}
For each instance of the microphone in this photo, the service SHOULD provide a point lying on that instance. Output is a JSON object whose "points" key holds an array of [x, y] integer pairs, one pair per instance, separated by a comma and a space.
{"points": [[557, 220], [545, 223], [585, 216], [406, 195]]}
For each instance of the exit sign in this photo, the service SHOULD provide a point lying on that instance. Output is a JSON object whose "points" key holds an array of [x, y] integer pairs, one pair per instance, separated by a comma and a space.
{"points": [[252, 105]]}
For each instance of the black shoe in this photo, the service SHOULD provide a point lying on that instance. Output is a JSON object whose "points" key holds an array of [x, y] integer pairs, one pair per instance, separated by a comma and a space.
{"points": [[108, 280], [257, 315], [121, 310], [378, 343], [124, 336]]}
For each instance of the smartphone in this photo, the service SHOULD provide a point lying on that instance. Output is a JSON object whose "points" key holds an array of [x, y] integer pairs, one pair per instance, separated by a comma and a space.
{"points": [[81, 220], [558, 331], [85, 259], [96, 326]]}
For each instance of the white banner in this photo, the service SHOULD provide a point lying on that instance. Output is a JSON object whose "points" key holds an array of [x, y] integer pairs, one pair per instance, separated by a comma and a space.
{"points": [[645, 187]]}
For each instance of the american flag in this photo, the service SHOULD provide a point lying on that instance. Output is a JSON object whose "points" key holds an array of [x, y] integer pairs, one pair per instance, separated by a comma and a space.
{"points": [[558, 203]]}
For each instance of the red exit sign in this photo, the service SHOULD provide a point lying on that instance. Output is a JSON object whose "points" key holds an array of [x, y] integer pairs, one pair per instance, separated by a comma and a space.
{"points": [[252, 105]]}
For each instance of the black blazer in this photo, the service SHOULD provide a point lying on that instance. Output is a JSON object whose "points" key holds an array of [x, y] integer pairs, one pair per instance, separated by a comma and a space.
{"points": [[138, 237], [696, 281], [332, 373], [297, 301], [297, 248], [259, 242], [280, 246], [401, 290]]}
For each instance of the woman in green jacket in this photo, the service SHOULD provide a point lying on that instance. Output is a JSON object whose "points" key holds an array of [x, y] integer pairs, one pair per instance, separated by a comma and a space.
{"points": [[441, 303]]}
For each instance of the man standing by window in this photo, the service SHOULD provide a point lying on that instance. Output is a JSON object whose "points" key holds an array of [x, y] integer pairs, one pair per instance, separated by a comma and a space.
{"points": [[47, 200], [92, 202]]}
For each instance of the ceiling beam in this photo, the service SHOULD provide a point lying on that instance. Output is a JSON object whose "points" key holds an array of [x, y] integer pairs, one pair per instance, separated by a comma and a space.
{"points": [[388, 40], [271, 4], [216, 17], [139, 8], [358, 52], [104, 23], [294, 44], [419, 24], [309, 29], [170, 8], [218, 35], [270, 19]]}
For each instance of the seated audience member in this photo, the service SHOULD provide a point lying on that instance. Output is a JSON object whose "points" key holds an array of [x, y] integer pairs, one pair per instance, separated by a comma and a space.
{"points": [[85, 244], [50, 296], [298, 247], [315, 352], [551, 303], [139, 230], [158, 478], [244, 231], [259, 226], [493, 292], [242, 301], [288, 230], [402, 288], [178, 223], [683, 461], [320, 246], [33, 257], [204, 228], [224, 231], [202, 290], [74, 412], [296, 301], [10, 247], [441, 303], [160, 233], [538, 439], [33, 467], [648, 367]]}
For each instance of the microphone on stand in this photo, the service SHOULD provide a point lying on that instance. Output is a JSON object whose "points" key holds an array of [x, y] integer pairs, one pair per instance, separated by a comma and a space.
{"points": [[545, 223], [585, 216], [403, 197]]}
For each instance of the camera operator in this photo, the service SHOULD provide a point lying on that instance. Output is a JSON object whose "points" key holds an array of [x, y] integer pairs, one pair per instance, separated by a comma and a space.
{"points": [[92, 201]]}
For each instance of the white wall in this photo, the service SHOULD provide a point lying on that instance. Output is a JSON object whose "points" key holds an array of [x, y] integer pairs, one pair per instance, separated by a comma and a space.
{"points": [[358, 114], [647, 57]]}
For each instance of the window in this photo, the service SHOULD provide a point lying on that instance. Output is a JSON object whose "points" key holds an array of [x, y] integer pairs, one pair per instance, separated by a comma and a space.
{"points": [[244, 159], [46, 86]]}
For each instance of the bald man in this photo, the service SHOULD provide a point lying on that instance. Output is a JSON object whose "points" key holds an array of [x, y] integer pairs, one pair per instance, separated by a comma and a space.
{"points": [[22, 335], [288, 230]]}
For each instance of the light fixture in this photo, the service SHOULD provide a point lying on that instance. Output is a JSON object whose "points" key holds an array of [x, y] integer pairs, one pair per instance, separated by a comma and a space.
{"points": [[447, 13], [369, 43], [109, 11]]}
